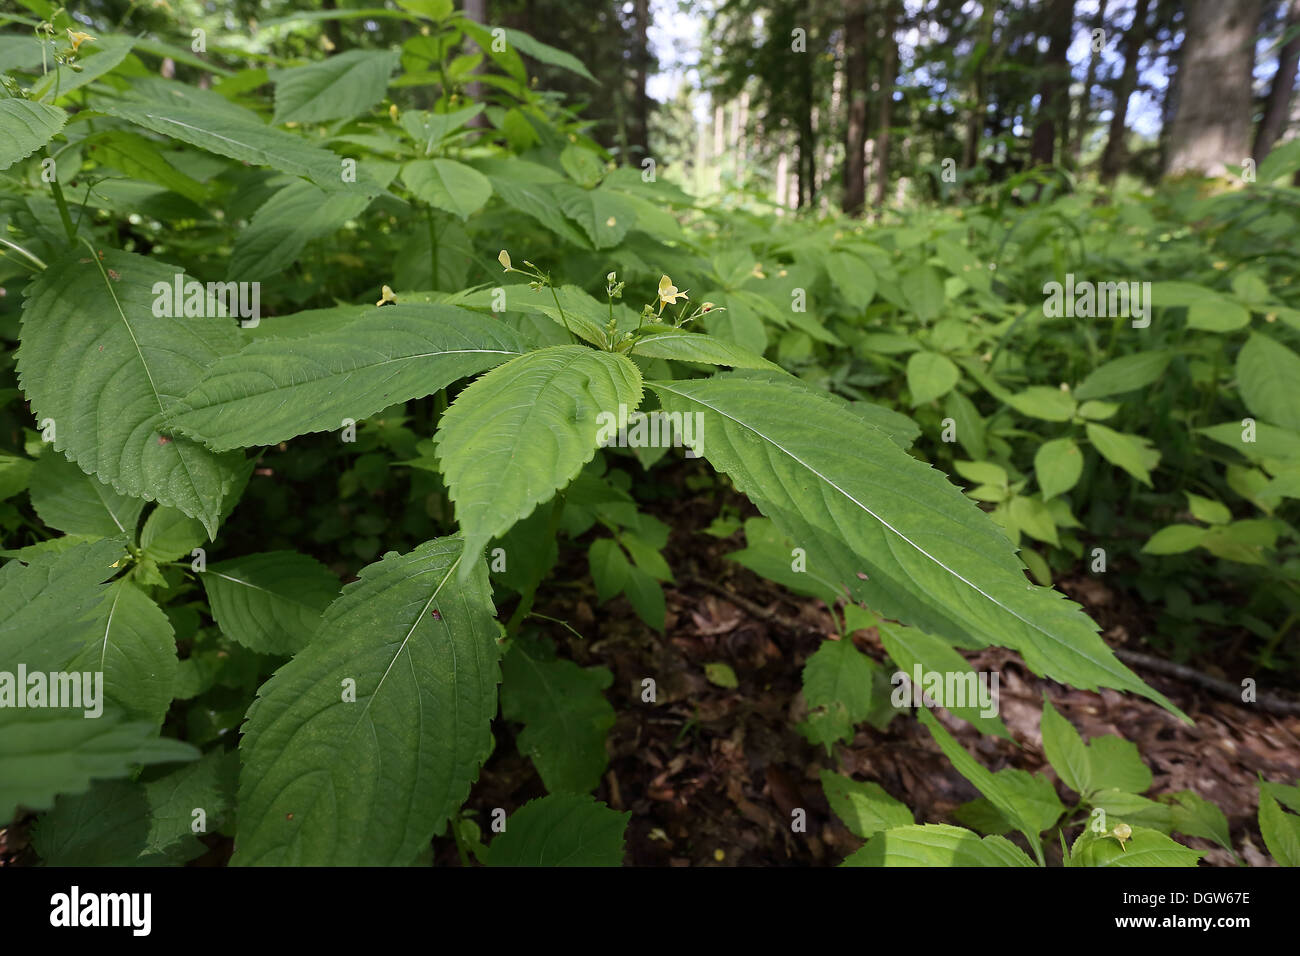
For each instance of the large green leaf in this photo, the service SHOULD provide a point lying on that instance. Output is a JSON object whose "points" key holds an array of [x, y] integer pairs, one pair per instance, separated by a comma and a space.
{"points": [[1268, 374], [339, 87], [937, 844], [270, 602], [1281, 831], [865, 808], [47, 607], [67, 498], [243, 136], [278, 388], [930, 557], [1145, 848], [133, 646], [565, 715], [693, 347], [1124, 374], [524, 430], [911, 648], [447, 184], [46, 751], [563, 829], [838, 680], [329, 780], [98, 361], [26, 126], [285, 223]]}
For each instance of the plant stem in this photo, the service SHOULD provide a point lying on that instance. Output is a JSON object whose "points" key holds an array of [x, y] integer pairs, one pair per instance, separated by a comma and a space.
{"points": [[68, 227], [17, 248], [563, 317], [433, 246]]}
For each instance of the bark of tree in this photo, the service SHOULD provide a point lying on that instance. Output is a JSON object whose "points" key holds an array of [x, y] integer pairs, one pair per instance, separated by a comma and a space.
{"points": [[1212, 126], [887, 80], [807, 135], [639, 128], [855, 95], [1277, 109], [1054, 90], [1112, 158]]}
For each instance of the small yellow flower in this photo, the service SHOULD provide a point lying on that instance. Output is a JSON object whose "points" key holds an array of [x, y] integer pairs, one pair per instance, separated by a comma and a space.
{"points": [[387, 297], [707, 307], [77, 38], [504, 259], [758, 272], [392, 111], [668, 294]]}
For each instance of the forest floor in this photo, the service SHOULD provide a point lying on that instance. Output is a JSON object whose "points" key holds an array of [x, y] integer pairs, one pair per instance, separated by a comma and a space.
{"points": [[712, 774]]}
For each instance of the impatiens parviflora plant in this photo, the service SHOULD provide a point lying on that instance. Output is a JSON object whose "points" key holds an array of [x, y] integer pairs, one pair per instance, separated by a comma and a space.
{"points": [[395, 690]]}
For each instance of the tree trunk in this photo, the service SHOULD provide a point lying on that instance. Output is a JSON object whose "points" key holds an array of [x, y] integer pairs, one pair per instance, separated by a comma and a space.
{"points": [[1054, 90], [1112, 159], [887, 80], [855, 95], [807, 136], [1085, 98], [975, 122], [639, 128], [1212, 126], [1278, 108]]}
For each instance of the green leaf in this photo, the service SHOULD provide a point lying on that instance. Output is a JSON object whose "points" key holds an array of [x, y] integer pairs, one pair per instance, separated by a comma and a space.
{"points": [[1215, 313], [102, 57], [1009, 800], [1040, 401], [922, 289], [770, 554], [1126, 373], [524, 430], [140, 158], [840, 487], [604, 215], [838, 680], [48, 607], [546, 53], [1116, 764], [1066, 751], [646, 596], [285, 223], [241, 135], [865, 808], [528, 187], [448, 185], [46, 751], [1145, 848], [1267, 373], [937, 844], [563, 829], [930, 376], [564, 712], [693, 347], [1281, 831], [133, 645], [609, 567], [721, 674], [342, 86], [169, 534], [1058, 464], [430, 129], [278, 388], [68, 499], [1207, 510], [271, 602], [911, 648], [26, 126], [1195, 816], [1123, 807], [1130, 452], [1175, 539], [320, 769], [110, 399]]}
